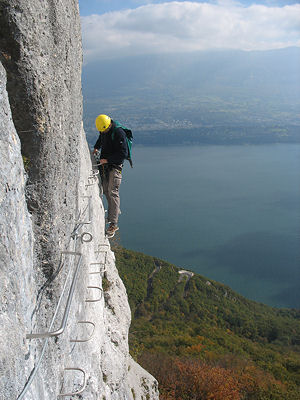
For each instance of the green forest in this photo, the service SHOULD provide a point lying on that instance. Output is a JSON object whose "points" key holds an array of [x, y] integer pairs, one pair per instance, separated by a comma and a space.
{"points": [[201, 340]]}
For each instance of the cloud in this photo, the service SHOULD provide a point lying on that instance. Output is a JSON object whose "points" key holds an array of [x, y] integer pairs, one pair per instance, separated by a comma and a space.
{"points": [[189, 26]]}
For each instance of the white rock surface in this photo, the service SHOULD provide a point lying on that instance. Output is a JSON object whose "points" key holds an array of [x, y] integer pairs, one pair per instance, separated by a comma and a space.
{"points": [[44, 92], [17, 286]]}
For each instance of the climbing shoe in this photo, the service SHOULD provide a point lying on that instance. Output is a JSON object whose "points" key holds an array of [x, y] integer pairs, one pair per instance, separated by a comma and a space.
{"points": [[111, 230]]}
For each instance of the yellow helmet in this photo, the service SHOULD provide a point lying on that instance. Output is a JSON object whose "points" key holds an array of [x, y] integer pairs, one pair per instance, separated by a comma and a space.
{"points": [[102, 122]]}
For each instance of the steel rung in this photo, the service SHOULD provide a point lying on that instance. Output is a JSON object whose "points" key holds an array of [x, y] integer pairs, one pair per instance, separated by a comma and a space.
{"points": [[68, 304], [91, 335], [83, 385], [94, 300]]}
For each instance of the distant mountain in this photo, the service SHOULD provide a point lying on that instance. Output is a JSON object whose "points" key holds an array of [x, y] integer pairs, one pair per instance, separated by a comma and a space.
{"points": [[183, 321], [226, 89]]}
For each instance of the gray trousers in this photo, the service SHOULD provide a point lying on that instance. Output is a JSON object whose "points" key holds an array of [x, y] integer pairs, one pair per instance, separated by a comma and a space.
{"points": [[111, 180]]}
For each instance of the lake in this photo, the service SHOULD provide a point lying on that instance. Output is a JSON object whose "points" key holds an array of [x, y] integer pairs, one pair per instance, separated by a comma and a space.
{"points": [[230, 213]]}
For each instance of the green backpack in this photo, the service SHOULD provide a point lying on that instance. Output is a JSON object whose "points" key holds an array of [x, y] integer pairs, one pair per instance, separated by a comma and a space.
{"points": [[129, 139]]}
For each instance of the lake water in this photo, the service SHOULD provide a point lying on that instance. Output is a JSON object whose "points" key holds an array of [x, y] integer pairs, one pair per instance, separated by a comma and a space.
{"points": [[230, 213]]}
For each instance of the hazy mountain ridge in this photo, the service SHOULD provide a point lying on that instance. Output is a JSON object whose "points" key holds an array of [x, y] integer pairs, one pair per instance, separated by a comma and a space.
{"points": [[192, 91]]}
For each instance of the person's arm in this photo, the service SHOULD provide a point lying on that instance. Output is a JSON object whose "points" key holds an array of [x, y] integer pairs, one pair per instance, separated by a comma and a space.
{"points": [[97, 145]]}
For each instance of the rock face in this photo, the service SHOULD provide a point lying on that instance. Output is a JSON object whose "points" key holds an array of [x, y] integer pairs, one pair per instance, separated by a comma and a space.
{"points": [[17, 285], [41, 52], [58, 273]]}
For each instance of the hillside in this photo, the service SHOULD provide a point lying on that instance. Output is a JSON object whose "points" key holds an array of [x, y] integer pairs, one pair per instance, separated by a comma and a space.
{"points": [[182, 322]]}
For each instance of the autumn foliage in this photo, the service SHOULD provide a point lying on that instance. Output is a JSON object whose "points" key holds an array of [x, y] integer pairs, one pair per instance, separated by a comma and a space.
{"points": [[191, 379]]}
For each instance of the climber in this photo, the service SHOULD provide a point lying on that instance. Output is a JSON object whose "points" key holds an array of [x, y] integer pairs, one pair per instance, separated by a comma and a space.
{"points": [[114, 150]]}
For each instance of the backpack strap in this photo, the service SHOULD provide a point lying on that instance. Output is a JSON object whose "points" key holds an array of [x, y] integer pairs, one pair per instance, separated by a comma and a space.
{"points": [[129, 137]]}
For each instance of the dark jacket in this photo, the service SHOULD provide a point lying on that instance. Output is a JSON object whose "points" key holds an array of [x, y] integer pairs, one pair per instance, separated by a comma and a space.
{"points": [[114, 150]]}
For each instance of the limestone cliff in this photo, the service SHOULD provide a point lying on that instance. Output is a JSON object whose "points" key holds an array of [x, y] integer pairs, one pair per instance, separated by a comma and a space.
{"points": [[59, 282]]}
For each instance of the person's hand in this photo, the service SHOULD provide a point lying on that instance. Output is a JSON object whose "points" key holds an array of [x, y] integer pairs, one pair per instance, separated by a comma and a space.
{"points": [[103, 161]]}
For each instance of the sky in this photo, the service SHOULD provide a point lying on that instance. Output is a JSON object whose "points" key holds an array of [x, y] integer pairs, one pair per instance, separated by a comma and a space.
{"points": [[124, 28]]}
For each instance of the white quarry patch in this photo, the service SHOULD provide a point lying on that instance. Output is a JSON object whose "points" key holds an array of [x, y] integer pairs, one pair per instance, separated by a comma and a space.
{"points": [[184, 272]]}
